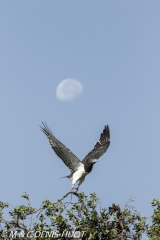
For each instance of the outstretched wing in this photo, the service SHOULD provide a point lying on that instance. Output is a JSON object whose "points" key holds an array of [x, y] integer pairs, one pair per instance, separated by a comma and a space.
{"points": [[69, 159], [100, 147]]}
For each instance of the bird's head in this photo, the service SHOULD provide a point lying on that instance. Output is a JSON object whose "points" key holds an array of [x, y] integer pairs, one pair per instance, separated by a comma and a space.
{"points": [[93, 160]]}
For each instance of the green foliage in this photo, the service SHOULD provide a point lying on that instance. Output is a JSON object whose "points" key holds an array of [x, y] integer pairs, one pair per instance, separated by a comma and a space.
{"points": [[82, 219], [154, 230]]}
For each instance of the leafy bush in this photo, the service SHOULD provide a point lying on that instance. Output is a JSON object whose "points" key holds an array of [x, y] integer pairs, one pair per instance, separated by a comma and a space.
{"points": [[81, 219]]}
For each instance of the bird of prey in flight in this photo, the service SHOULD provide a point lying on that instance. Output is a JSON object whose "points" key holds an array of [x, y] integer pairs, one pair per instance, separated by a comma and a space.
{"points": [[79, 169]]}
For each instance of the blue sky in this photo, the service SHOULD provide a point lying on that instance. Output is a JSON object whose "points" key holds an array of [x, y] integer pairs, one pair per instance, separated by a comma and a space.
{"points": [[113, 49]]}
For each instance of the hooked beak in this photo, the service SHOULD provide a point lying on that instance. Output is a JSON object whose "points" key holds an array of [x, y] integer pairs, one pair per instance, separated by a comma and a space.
{"points": [[94, 160]]}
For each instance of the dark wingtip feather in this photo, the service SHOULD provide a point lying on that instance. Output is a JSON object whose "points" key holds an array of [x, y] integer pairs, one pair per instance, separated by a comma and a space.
{"points": [[106, 131], [45, 129]]}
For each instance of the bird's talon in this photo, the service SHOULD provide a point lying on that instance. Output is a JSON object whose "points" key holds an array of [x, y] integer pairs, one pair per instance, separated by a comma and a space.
{"points": [[72, 189]]}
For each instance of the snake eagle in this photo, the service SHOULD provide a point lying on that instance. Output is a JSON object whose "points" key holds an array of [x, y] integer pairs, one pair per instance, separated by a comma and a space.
{"points": [[79, 169]]}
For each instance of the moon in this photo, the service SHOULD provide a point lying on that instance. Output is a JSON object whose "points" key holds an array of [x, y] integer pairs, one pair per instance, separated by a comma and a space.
{"points": [[68, 89]]}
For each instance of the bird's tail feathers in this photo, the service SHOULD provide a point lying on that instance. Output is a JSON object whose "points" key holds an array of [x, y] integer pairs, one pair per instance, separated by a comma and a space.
{"points": [[69, 176], [64, 177]]}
